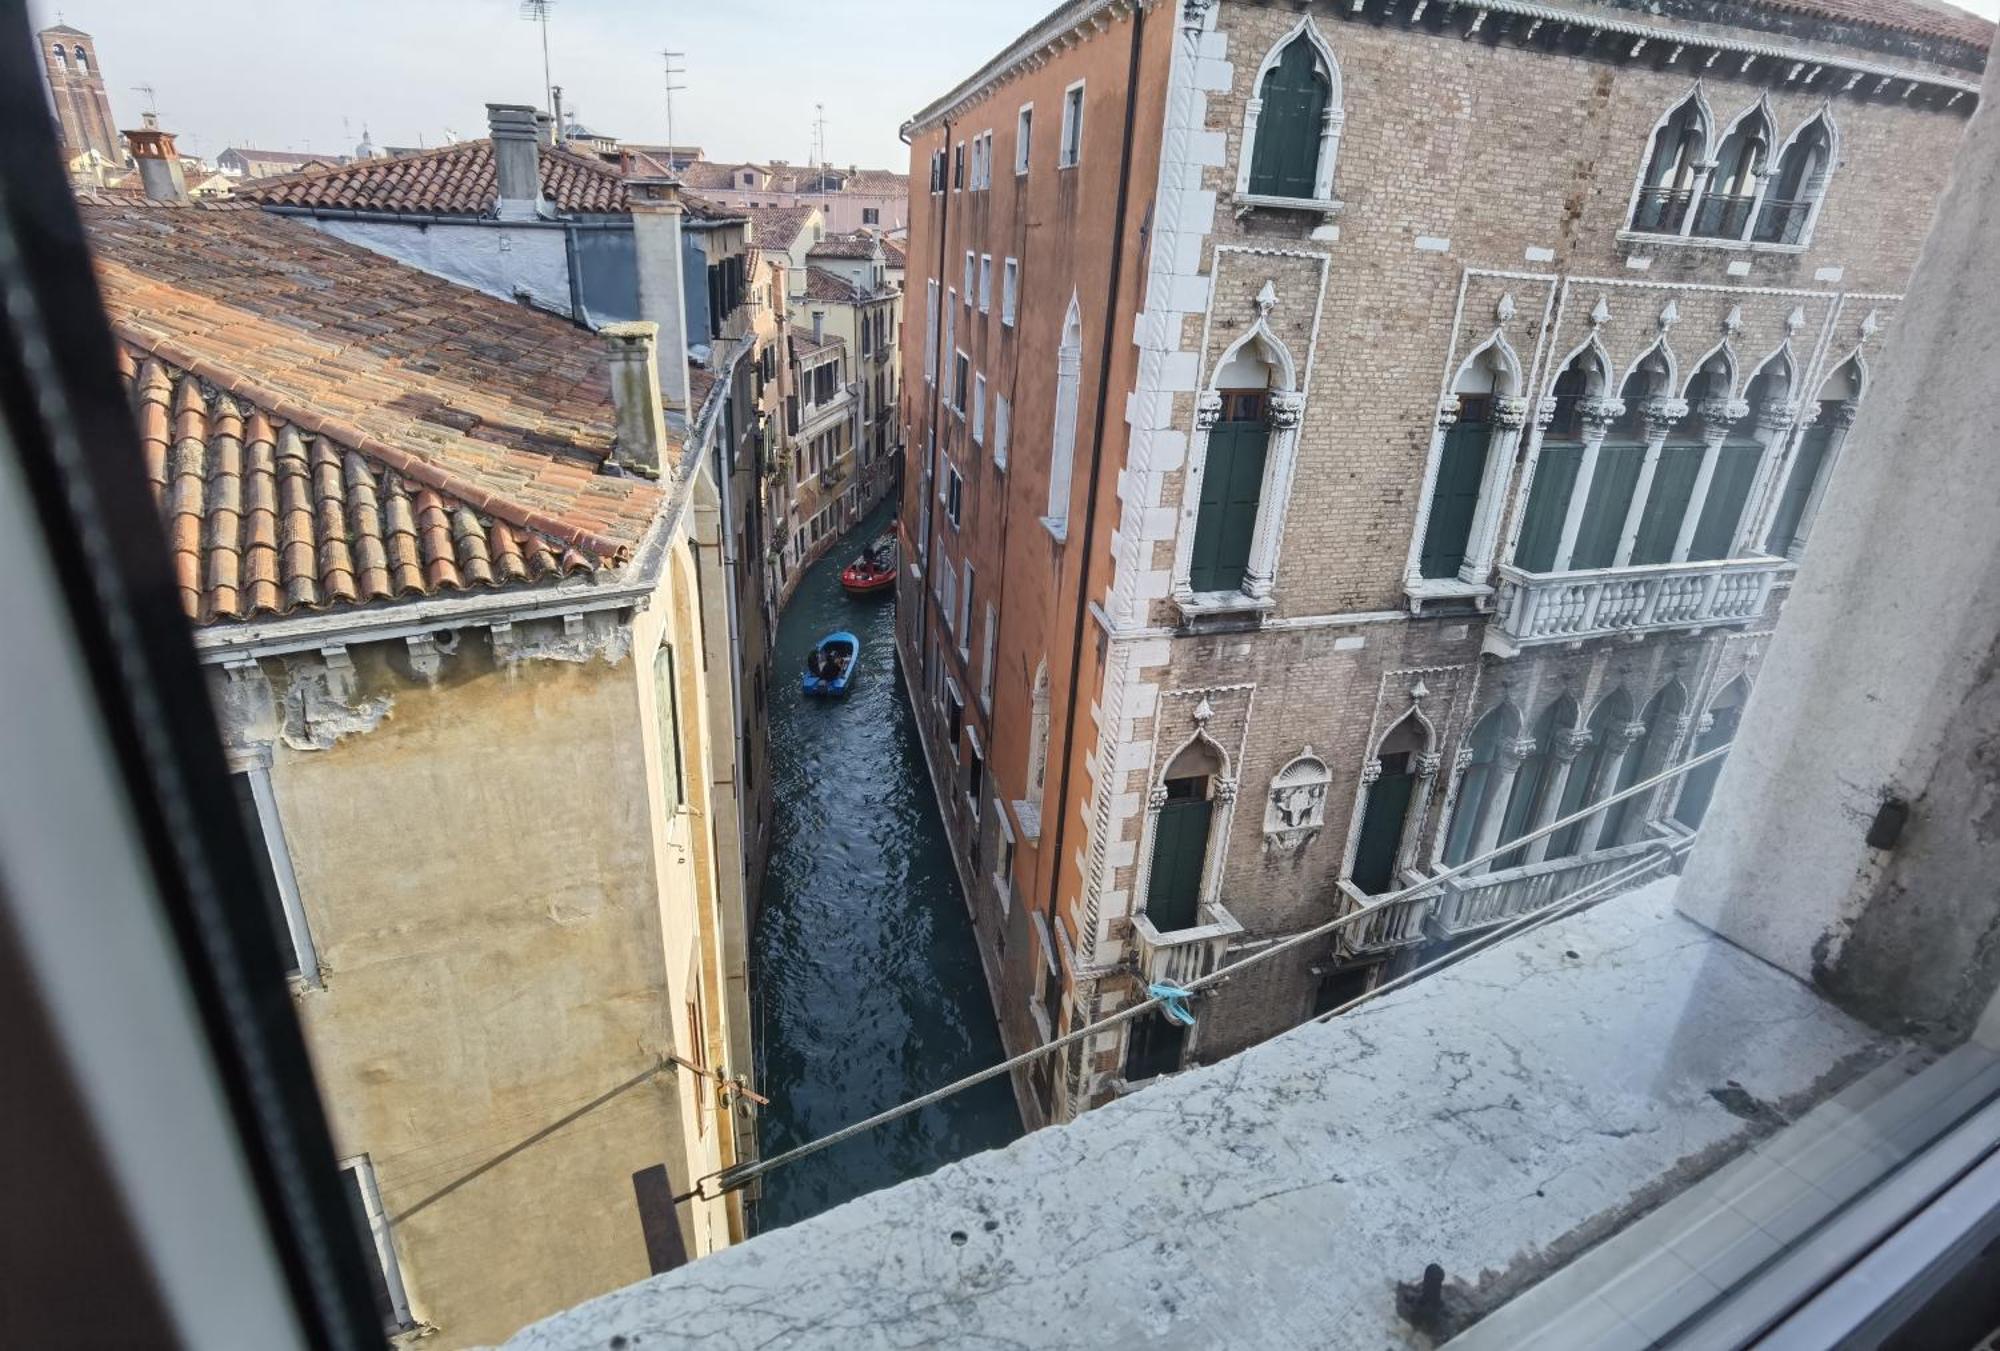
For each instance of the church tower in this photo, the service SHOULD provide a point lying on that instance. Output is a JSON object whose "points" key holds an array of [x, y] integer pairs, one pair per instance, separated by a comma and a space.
{"points": [[76, 86]]}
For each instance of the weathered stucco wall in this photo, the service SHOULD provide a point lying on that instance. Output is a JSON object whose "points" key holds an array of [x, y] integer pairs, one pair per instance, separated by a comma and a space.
{"points": [[1881, 684]]}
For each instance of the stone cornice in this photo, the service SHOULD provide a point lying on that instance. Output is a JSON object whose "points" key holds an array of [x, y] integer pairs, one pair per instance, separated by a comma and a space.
{"points": [[1057, 30]]}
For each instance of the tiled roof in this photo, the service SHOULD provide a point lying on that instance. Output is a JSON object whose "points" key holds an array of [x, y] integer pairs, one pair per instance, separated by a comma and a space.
{"points": [[454, 180], [716, 176], [709, 175], [326, 428], [879, 182], [299, 157], [894, 253], [1924, 17], [824, 285], [778, 227], [805, 344], [861, 245]]}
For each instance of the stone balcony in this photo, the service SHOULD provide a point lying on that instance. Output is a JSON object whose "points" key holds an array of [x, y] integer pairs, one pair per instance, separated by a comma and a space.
{"points": [[1469, 904], [1395, 925], [1182, 955], [1566, 607]]}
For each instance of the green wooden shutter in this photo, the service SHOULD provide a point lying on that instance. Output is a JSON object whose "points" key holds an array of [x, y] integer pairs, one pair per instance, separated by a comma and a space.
{"points": [[1180, 845], [1286, 158], [1728, 490], [1455, 499], [1798, 489], [1666, 504], [1548, 503], [1232, 484], [1521, 805], [1610, 498], [1382, 833]]}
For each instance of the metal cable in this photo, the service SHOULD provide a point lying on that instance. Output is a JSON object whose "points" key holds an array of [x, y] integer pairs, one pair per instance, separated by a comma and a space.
{"points": [[729, 1179]]}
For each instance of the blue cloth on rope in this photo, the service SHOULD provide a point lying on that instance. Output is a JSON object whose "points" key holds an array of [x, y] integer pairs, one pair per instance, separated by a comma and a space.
{"points": [[1172, 999]]}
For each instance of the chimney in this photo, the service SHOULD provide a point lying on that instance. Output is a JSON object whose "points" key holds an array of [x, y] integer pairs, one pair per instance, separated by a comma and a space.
{"points": [[159, 164], [656, 244], [819, 325], [516, 160], [635, 393], [555, 103], [545, 129]]}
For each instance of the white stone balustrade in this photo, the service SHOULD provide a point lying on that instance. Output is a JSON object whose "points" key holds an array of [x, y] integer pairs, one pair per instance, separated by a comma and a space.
{"points": [[1391, 926], [1481, 900], [1184, 954], [1560, 607]]}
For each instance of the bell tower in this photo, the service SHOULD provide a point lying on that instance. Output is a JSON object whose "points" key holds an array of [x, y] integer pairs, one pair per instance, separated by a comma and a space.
{"points": [[76, 87]]}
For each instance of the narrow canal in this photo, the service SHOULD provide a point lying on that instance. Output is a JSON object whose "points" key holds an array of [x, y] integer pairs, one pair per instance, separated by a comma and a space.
{"points": [[866, 980]]}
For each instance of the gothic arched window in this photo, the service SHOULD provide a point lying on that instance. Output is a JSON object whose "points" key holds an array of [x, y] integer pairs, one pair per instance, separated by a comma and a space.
{"points": [[82, 61], [1732, 186], [1532, 781], [1590, 777], [1838, 398], [1181, 827], [1294, 98], [1666, 189], [1795, 192], [1475, 785], [1462, 481], [1725, 714], [61, 56]]}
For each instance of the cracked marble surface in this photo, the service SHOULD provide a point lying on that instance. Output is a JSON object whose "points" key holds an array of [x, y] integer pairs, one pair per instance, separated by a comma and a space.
{"points": [[1480, 1119]]}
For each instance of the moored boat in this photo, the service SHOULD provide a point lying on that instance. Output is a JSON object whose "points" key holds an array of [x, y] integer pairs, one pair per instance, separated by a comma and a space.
{"points": [[830, 666]]}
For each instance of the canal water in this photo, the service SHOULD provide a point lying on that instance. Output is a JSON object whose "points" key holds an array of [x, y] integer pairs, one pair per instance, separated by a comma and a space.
{"points": [[865, 979]]}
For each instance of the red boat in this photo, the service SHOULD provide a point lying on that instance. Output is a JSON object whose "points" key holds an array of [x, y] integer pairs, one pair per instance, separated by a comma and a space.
{"points": [[872, 573]]}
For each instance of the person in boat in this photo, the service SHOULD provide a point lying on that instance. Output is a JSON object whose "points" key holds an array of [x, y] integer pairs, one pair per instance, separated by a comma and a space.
{"points": [[814, 665], [836, 665]]}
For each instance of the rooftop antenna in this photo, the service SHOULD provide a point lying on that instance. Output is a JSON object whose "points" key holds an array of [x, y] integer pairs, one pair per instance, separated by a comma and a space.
{"points": [[669, 58], [819, 134], [152, 101], [538, 11]]}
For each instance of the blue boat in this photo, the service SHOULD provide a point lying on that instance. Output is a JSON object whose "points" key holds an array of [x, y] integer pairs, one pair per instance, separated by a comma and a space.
{"points": [[831, 664]]}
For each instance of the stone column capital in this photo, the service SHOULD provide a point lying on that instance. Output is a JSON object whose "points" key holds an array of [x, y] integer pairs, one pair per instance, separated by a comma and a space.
{"points": [[1447, 415], [1545, 412], [1719, 415], [1845, 412], [1627, 735], [1512, 753], [1207, 409], [1429, 763], [1287, 408], [1598, 415], [1568, 745], [1661, 414], [1225, 791], [1461, 761], [1157, 798], [1371, 772], [1776, 415], [1511, 412]]}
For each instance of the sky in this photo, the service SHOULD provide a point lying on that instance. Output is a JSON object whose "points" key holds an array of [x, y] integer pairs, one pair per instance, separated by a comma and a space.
{"points": [[290, 75]]}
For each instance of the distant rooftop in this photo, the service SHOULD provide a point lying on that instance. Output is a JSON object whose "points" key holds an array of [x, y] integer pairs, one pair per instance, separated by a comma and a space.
{"points": [[452, 180]]}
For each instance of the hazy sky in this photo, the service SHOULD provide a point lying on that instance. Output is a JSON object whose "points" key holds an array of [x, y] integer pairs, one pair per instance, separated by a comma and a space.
{"points": [[309, 74], [299, 74]]}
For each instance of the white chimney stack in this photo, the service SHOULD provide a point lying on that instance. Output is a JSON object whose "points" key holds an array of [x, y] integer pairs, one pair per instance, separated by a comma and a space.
{"points": [[160, 172], [656, 242]]}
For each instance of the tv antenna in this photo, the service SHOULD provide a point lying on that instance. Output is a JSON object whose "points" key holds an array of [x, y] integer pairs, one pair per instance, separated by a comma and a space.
{"points": [[819, 134], [152, 99], [669, 59], [538, 11]]}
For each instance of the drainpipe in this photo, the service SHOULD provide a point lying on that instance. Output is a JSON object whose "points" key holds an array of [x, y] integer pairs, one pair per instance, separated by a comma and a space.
{"points": [[1085, 544]]}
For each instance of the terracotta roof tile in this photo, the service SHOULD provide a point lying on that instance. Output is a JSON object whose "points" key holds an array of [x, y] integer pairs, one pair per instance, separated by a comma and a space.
{"points": [[453, 180], [1927, 18], [779, 227], [831, 286], [325, 428], [858, 245]]}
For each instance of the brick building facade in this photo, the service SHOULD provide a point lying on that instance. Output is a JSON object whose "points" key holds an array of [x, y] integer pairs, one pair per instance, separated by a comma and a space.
{"points": [[1352, 437], [77, 94]]}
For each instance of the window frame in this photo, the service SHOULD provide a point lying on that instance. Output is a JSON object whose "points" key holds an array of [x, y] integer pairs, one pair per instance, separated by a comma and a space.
{"points": [[278, 853], [1002, 417], [362, 1167], [985, 283], [1024, 139], [1069, 148], [1010, 291]]}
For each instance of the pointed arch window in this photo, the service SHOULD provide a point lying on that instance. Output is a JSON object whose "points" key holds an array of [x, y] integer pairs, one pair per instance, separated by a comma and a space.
{"points": [[1679, 468], [82, 61], [1737, 463], [1839, 399], [1062, 440], [1566, 448], [1725, 714], [1673, 169], [1232, 485], [1731, 193], [1482, 415], [1291, 125], [1793, 198], [1533, 780], [1478, 782], [1595, 769], [1182, 825], [1385, 813], [1656, 732]]}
